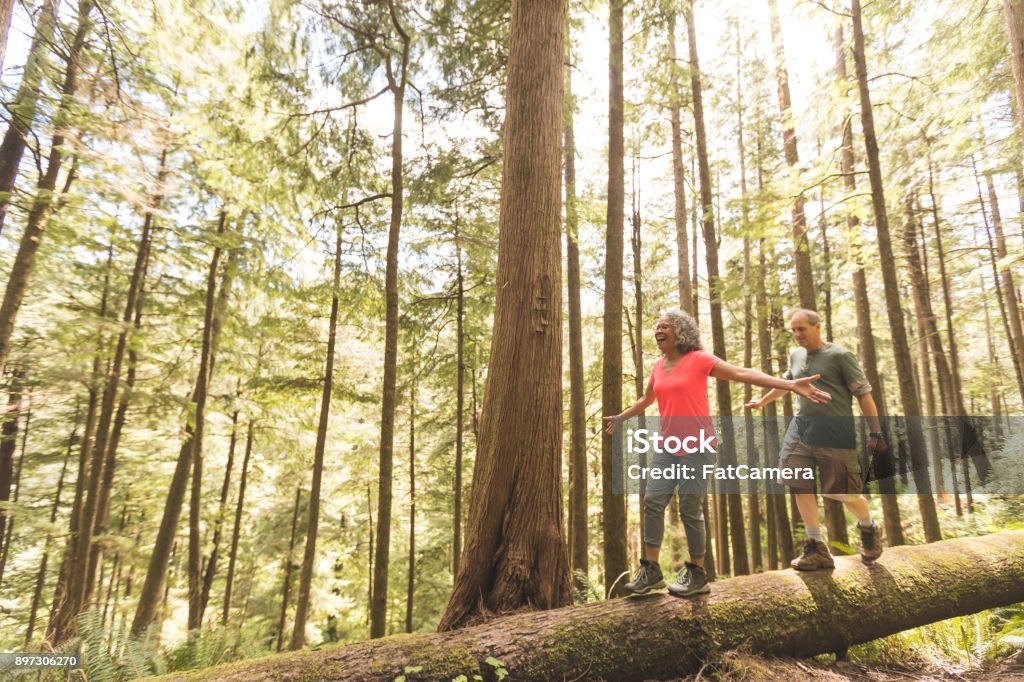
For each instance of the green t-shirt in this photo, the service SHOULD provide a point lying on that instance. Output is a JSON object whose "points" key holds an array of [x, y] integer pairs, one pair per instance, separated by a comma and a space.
{"points": [[828, 424]]}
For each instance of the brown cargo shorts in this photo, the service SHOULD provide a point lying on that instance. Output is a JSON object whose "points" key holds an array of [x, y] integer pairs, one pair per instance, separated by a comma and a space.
{"points": [[837, 469]]}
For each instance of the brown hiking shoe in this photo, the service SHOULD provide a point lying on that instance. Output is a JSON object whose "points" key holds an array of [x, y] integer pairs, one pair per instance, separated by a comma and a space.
{"points": [[815, 556], [870, 542]]}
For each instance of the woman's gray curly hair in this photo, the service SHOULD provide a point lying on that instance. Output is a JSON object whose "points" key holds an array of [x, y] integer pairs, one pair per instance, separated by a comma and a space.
{"points": [[685, 327]]}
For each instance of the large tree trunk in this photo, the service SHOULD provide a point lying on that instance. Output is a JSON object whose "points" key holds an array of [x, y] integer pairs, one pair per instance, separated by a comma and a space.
{"points": [[23, 109], [579, 559], [887, 264], [613, 507], [515, 549], [801, 248], [781, 613], [313, 517], [379, 603], [46, 196], [725, 426]]}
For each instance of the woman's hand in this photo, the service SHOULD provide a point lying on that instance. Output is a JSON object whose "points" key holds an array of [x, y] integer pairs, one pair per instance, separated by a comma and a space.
{"points": [[754, 404], [609, 426], [803, 387]]}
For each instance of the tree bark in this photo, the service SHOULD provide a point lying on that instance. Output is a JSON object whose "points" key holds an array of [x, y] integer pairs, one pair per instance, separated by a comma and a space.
{"points": [[725, 426], [42, 205], [887, 263], [313, 518], [515, 548], [379, 604], [613, 507], [579, 560], [236, 530], [801, 247], [780, 613]]}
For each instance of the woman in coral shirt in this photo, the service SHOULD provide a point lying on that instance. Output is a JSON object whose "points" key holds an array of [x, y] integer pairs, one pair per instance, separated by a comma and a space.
{"points": [[679, 383]]}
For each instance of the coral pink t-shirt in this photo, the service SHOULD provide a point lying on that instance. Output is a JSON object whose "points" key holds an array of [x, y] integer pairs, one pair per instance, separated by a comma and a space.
{"points": [[683, 392]]}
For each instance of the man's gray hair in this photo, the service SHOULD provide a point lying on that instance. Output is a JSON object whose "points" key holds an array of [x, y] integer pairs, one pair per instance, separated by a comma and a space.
{"points": [[685, 327], [813, 318]]}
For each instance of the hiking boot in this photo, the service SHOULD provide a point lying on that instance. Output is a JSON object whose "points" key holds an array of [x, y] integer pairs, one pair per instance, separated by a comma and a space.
{"points": [[815, 556], [646, 578], [870, 542], [690, 581]]}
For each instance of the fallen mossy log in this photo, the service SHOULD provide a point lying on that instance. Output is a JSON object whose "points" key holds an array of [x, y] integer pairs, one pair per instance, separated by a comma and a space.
{"points": [[781, 613]]}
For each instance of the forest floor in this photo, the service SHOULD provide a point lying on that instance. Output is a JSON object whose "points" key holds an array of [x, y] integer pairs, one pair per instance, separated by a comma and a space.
{"points": [[743, 667]]}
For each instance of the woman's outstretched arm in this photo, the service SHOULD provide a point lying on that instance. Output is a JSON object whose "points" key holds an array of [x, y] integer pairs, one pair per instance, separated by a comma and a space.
{"points": [[726, 372]]}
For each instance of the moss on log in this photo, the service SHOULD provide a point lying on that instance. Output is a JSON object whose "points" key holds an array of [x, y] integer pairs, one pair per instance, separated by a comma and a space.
{"points": [[781, 613]]}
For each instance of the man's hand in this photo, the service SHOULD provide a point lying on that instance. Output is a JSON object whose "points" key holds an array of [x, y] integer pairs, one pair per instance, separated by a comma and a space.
{"points": [[803, 387], [754, 404], [877, 445]]}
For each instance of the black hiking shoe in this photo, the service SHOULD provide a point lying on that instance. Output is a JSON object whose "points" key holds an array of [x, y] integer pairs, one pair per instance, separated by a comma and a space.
{"points": [[690, 581], [647, 577]]}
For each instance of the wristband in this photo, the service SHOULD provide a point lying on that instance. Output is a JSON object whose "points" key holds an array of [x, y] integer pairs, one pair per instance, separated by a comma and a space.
{"points": [[874, 434]]}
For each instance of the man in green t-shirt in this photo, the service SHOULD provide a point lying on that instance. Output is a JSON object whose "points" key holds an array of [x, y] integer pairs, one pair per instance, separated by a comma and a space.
{"points": [[823, 436]]}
